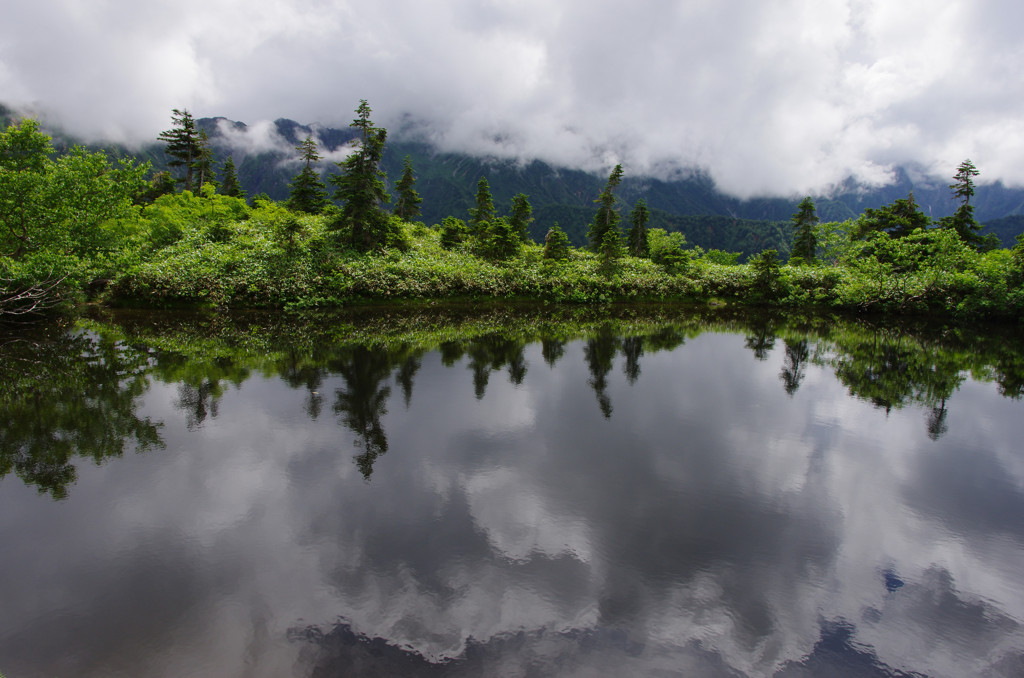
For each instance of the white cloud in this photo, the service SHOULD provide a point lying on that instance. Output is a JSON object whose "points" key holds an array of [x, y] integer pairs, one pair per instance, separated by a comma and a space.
{"points": [[780, 97]]}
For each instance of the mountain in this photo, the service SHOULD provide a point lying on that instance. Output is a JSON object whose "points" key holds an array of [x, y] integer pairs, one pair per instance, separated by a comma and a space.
{"points": [[266, 162]]}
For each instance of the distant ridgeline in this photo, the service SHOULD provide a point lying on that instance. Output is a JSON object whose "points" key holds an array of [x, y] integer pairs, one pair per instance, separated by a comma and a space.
{"points": [[690, 204]]}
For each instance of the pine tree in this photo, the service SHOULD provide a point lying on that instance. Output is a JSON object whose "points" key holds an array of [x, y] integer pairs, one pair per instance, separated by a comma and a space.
{"points": [[203, 170], [483, 213], [307, 192], [897, 220], [637, 241], [409, 200], [230, 185], [182, 145], [963, 221], [520, 216], [360, 187], [607, 218], [805, 243]]}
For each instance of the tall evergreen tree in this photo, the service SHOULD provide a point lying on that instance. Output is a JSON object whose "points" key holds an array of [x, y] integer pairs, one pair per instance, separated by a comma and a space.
{"points": [[607, 218], [963, 221], [805, 242], [307, 192], [182, 145], [230, 185], [520, 215], [408, 206], [637, 241], [203, 170], [483, 213], [360, 187]]}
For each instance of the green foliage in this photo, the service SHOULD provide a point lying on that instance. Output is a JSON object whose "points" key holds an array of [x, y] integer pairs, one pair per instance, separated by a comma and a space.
{"points": [[962, 221], [898, 220], [453, 233], [668, 250], [638, 242], [62, 210], [408, 206], [361, 189], [721, 258], [766, 273], [556, 244], [501, 240], [607, 217], [805, 243]]}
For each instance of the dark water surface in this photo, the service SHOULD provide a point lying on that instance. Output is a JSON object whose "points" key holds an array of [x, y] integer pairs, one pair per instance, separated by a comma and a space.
{"points": [[555, 493]]}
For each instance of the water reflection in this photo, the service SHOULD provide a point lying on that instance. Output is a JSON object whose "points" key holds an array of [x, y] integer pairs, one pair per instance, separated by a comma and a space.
{"points": [[67, 395], [845, 501]]}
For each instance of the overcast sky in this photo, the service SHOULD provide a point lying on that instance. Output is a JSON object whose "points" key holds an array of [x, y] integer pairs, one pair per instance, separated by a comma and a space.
{"points": [[768, 96]]}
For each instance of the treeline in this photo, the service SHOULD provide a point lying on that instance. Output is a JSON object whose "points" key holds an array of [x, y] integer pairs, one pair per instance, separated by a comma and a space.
{"points": [[81, 225], [69, 396]]}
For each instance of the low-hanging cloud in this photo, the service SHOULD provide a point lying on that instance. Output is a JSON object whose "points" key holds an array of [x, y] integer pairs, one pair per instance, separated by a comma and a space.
{"points": [[768, 98]]}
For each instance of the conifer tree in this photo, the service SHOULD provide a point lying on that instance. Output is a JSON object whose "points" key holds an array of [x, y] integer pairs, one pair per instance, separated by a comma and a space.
{"points": [[637, 241], [521, 214], [805, 243], [360, 187], [963, 221], [203, 170], [409, 200], [483, 213], [556, 244], [182, 145], [897, 220], [230, 185], [307, 192], [607, 218]]}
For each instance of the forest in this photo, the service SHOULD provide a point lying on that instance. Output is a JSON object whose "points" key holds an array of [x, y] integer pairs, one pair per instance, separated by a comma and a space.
{"points": [[85, 226]]}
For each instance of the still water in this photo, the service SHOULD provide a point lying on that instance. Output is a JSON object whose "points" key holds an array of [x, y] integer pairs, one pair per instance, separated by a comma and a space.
{"points": [[651, 492]]}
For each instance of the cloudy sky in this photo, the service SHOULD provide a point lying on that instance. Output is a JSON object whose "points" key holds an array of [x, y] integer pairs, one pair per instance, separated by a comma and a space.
{"points": [[769, 96]]}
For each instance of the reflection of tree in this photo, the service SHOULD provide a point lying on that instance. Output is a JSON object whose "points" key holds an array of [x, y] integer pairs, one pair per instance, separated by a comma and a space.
{"points": [[937, 426], [363, 400], [65, 395], [599, 352], [794, 369], [892, 370], [492, 352], [406, 372], [761, 338], [300, 369], [199, 401], [552, 350], [632, 349]]}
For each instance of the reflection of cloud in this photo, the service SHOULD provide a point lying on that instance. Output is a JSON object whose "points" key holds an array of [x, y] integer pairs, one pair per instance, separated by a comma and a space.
{"points": [[524, 531]]}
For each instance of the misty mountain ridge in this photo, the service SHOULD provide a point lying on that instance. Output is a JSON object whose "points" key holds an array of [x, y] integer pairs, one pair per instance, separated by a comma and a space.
{"points": [[266, 161]]}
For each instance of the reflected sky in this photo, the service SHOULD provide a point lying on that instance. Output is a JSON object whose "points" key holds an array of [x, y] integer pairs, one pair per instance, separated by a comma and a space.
{"points": [[691, 514]]}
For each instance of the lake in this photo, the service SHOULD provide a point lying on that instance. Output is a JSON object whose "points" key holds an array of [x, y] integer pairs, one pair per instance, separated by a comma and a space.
{"points": [[622, 491]]}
